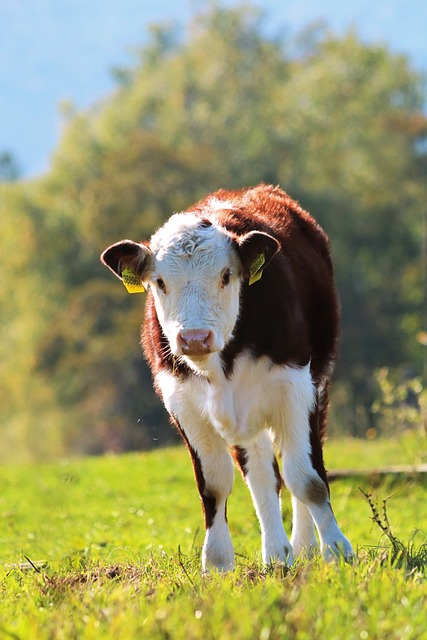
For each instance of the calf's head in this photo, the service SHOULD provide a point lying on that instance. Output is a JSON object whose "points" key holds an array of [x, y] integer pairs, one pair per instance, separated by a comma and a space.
{"points": [[194, 268]]}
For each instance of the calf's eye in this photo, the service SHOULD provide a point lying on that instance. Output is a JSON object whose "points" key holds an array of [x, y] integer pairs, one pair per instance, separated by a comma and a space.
{"points": [[226, 277], [160, 283]]}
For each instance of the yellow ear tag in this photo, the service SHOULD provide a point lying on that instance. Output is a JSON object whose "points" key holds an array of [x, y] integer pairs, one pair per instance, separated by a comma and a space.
{"points": [[255, 269], [131, 281]]}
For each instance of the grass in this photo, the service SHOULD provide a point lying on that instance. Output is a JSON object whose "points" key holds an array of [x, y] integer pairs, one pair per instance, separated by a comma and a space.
{"points": [[110, 548], [409, 448]]}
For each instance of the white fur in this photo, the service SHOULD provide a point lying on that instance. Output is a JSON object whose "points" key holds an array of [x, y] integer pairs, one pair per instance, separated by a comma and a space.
{"points": [[261, 481], [259, 395], [191, 259], [333, 542], [217, 552], [215, 412], [303, 538], [183, 401]]}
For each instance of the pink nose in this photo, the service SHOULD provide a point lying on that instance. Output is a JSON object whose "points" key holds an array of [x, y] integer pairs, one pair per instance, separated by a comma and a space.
{"points": [[195, 342]]}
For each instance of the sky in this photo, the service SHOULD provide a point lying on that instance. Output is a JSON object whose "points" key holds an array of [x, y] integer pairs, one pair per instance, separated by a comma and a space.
{"points": [[56, 51]]}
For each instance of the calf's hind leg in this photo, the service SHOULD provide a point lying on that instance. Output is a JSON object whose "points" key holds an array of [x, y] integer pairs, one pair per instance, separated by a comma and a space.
{"points": [[303, 468], [303, 537], [262, 475]]}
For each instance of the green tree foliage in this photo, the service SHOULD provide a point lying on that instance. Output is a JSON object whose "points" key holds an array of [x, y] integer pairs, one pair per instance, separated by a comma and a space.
{"points": [[336, 122]]}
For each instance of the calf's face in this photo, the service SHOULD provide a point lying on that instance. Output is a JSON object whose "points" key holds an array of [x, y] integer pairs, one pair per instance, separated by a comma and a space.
{"points": [[195, 270], [195, 280]]}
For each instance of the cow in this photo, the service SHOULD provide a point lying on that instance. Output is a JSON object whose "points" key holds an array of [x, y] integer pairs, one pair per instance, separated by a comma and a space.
{"points": [[240, 331]]}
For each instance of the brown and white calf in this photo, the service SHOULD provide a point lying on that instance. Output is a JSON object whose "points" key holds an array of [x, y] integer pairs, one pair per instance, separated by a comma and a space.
{"points": [[240, 332]]}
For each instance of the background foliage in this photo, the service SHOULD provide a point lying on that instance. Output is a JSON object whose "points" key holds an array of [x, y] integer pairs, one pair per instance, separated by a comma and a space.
{"points": [[338, 123]]}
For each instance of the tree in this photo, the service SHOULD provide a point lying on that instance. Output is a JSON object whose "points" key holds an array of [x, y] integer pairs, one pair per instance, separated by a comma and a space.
{"points": [[338, 123]]}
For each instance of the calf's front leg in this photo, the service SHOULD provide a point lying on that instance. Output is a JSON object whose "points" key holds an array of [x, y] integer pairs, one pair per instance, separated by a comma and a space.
{"points": [[214, 473]]}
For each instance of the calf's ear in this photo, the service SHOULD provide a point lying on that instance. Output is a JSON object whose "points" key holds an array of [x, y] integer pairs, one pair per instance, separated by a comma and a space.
{"points": [[127, 254], [256, 249]]}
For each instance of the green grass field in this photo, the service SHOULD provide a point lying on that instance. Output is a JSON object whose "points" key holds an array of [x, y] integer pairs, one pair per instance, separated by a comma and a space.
{"points": [[110, 548]]}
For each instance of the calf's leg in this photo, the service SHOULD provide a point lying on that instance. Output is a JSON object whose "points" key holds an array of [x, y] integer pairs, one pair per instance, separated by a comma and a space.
{"points": [[214, 473], [303, 537], [304, 471], [262, 475]]}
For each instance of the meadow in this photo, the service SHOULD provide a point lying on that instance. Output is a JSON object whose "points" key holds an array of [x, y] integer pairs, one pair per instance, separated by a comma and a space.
{"points": [[110, 548]]}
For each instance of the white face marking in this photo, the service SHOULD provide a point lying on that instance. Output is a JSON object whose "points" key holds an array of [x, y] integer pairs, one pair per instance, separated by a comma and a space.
{"points": [[195, 277]]}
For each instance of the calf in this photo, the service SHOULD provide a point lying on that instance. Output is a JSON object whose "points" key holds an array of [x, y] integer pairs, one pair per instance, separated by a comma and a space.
{"points": [[240, 331]]}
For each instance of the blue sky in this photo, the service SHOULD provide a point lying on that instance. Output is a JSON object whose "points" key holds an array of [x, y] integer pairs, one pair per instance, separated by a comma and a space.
{"points": [[62, 50]]}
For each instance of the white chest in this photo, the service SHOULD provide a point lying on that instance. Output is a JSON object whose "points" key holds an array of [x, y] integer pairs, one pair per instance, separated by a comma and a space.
{"points": [[258, 395]]}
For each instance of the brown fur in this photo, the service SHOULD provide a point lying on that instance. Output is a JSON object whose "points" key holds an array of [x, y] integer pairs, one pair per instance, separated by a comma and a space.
{"points": [[291, 315]]}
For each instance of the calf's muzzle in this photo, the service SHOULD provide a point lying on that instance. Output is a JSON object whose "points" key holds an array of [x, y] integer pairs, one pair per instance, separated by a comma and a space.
{"points": [[195, 342]]}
